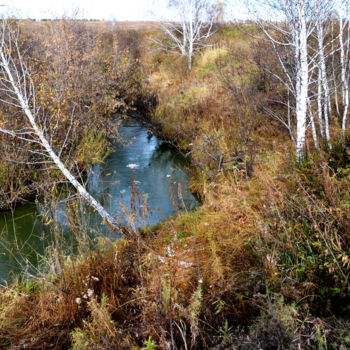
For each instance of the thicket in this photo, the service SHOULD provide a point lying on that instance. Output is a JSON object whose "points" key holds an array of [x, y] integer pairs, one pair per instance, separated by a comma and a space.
{"points": [[263, 264], [82, 74]]}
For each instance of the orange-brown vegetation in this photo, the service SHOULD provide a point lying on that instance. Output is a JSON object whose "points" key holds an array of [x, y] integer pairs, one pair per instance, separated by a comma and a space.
{"points": [[82, 75], [262, 264]]}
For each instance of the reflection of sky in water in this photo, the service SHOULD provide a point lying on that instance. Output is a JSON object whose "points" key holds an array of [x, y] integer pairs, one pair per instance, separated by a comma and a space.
{"points": [[110, 183]]}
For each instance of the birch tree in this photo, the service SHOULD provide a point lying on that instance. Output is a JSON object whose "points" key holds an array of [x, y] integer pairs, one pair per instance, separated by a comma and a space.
{"points": [[289, 32], [17, 89], [343, 15], [298, 26], [301, 35], [323, 9], [195, 26]]}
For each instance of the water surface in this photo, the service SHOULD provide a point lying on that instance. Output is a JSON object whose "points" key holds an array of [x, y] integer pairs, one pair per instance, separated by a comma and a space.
{"points": [[160, 180]]}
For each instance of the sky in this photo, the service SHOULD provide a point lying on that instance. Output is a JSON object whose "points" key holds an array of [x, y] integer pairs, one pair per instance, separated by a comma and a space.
{"points": [[120, 10]]}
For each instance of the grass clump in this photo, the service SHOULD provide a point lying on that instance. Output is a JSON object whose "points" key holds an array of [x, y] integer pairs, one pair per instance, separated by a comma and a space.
{"points": [[78, 300], [93, 149]]}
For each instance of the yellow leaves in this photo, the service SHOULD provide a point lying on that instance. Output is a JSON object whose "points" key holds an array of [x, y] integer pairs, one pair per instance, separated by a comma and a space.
{"points": [[345, 259], [48, 222], [97, 160]]}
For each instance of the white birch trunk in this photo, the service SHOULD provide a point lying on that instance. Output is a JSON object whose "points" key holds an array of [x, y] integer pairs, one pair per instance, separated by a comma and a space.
{"points": [[301, 37], [184, 40], [313, 129], [190, 35], [319, 103], [344, 72], [324, 80]]}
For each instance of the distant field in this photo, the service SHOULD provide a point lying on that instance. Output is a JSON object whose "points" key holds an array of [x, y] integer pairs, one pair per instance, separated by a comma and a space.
{"points": [[125, 25], [144, 25]]}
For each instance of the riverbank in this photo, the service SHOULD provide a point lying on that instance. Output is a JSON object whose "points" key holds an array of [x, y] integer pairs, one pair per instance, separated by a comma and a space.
{"points": [[263, 263], [81, 76], [141, 195]]}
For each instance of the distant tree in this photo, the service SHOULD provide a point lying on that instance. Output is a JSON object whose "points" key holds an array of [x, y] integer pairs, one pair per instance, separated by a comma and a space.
{"points": [[195, 26]]}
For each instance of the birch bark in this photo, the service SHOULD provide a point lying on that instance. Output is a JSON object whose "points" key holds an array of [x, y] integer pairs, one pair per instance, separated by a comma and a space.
{"points": [[302, 77], [323, 80], [344, 67]]}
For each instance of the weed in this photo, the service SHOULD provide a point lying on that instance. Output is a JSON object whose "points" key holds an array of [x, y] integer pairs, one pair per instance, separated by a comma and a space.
{"points": [[149, 344]]}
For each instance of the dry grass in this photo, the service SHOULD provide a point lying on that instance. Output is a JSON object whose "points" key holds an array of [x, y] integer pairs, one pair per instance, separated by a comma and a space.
{"points": [[46, 316], [190, 279], [247, 270]]}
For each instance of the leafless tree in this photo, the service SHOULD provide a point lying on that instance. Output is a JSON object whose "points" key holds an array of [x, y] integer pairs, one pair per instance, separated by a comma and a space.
{"points": [[343, 15], [299, 33], [323, 9], [195, 25], [289, 32], [17, 89]]}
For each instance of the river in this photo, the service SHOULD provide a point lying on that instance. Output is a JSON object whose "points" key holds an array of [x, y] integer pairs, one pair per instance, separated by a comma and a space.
{"points": [[160, 174]]}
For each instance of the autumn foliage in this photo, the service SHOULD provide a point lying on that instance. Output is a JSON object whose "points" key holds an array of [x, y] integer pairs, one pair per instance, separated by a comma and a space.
{"points": [[264, 263]]}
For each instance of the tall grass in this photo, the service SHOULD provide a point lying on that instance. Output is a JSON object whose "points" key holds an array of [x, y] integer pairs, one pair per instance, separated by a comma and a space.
{"points": [[262, 264]]}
